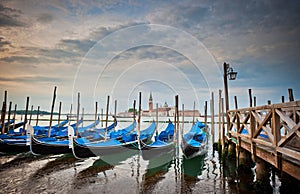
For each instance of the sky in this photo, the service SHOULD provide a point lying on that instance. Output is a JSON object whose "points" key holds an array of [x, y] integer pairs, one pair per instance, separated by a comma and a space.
{"points": [[120, 48]]}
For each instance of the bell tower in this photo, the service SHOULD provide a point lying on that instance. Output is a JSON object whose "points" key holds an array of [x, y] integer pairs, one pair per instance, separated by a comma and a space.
{"points": [[150, 102]]}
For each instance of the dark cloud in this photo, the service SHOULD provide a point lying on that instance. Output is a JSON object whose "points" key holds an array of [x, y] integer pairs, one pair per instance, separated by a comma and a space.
{"points": [[4, 44], [31, 79], [10, 17], [22, 59], [45, 18]]}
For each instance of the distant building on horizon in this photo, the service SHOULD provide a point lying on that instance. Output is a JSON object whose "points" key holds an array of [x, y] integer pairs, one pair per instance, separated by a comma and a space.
{"points": [[163, 111], [167, 111]]}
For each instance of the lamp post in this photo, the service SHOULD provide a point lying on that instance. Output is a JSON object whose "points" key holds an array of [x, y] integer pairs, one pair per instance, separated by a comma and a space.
{"points": [[228, 72]]}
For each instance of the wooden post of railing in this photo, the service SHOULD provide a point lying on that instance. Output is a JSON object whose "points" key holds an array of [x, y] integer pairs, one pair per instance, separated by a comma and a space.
{"points": [[254, 101], [252, 130], [282, 99], [250, 97], [212, 109], [269, 102], [291, 96], [275, 124]]}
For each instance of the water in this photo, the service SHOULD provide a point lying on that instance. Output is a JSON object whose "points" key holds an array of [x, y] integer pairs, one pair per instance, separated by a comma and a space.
{"points": [[130, 173]]}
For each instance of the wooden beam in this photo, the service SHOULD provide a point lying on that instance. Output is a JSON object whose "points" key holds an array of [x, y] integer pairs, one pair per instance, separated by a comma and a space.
{"points": [[291, 134], [285, 118], [289, 152]]}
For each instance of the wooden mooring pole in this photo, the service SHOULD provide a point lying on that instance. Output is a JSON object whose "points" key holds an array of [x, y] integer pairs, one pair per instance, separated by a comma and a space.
{"points": [[212, 112], [101, 117], [106, 117], [30, 116], [37, 116], [25, 116], [291, 96], [115, 114], [3, 112], [176, 119], [15, 112], [205, 113], [96, 110], [219, 122], [77, 115], [250, 97], [59, 113], [8, 116], [139, 119], [51, 114], [156, 114]]}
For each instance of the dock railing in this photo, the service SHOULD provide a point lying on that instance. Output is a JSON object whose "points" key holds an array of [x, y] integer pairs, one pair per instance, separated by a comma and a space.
{"points": [[270, 132]]}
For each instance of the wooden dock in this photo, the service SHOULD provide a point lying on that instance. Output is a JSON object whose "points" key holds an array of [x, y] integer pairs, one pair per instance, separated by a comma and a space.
{"points": [[270, 132]]}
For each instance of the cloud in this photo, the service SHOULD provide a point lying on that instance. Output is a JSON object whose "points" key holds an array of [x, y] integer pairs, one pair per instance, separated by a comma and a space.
{"points": [[45, 18], [10, 17], [4, 44], [32, 79]]}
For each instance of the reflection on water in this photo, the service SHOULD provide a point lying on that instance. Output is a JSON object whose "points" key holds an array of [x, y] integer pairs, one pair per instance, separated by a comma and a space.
{"points": [[191, 172], [128, 172], [156, 169]]}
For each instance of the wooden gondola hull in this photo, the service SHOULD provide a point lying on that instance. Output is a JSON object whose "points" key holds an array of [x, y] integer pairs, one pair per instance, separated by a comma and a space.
{"points": [[191, 151], [82, 151], [13, 148], [40, 147], [149, 152]]}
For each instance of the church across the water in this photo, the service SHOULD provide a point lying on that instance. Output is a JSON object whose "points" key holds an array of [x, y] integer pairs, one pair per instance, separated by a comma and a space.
{"points": [[166, 111]]}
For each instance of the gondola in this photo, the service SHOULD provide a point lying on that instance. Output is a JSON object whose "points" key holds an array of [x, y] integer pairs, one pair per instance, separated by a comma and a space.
{"points": [[6, 124], [163, 144], [16, 142], [55, 145], [83, 149], [194, 142]]}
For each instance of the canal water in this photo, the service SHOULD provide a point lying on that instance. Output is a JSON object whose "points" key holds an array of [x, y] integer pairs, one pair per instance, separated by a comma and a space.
{"points": [[130, 173]]}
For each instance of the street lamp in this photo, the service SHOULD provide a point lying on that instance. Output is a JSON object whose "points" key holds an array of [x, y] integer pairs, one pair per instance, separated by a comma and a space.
{"points": [[228, 72]]}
